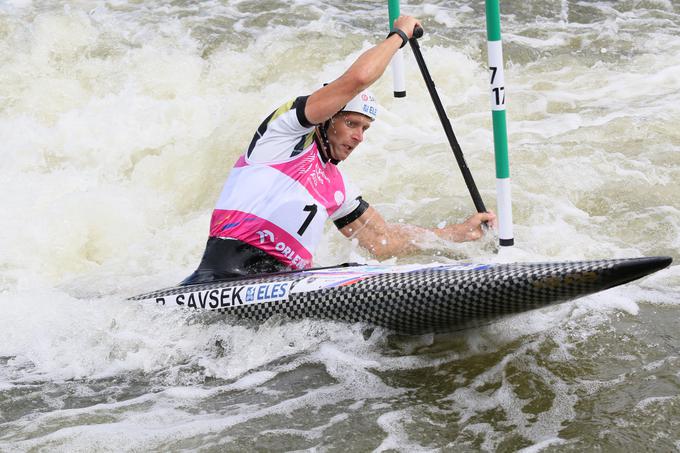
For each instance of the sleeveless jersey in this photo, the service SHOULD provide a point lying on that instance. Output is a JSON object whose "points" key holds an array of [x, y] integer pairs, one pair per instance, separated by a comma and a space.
{"points": [[281, 191]]}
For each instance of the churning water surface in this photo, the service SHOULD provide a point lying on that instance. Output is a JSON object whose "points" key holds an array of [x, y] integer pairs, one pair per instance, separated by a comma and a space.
{"points": [[119, 121]]}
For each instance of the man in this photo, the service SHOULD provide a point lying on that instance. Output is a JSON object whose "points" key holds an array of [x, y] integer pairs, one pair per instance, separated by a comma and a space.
{"points": [[271, 212]]}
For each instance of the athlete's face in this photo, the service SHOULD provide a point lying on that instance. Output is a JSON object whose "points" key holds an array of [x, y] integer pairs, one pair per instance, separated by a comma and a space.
{"points": [[346, 132]]}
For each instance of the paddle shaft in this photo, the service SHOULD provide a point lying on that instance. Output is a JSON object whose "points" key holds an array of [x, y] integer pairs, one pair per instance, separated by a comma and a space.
{"points": [[455, 147]]}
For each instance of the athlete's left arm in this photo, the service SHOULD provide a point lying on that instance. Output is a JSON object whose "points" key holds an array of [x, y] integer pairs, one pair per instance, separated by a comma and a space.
{"points": [[385, 240]]}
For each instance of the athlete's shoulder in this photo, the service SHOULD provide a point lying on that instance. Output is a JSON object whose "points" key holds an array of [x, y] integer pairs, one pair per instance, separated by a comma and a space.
{"points": [[285, 133], [294, 109]]}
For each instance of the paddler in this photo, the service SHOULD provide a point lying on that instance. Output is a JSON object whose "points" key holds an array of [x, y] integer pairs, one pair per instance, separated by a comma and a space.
{"points": [[272, 209]]}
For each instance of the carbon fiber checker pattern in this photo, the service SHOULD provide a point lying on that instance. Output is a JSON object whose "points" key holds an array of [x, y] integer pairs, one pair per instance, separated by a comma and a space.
{"points": [[434, 299]]}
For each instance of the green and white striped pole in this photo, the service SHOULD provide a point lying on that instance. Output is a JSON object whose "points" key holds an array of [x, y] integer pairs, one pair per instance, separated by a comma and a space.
{"points": [[500, 134], [398, 59]]}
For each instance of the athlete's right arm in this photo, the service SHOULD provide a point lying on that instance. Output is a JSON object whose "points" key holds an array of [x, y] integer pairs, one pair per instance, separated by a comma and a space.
{"points": [[328, 100]]}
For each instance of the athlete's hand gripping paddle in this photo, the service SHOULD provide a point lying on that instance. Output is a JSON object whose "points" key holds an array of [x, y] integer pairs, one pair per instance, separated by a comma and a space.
{"points": [[455, 147]]}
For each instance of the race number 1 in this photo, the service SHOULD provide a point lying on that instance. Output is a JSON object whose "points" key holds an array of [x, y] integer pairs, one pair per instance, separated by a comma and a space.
{"points": [[311, 208]]}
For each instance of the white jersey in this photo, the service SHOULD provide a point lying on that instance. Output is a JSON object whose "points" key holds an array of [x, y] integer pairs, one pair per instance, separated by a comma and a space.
{"points": [[281, 191]]}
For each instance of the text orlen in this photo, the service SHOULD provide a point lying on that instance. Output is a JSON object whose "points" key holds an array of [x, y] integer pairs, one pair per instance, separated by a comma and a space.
{"points": [[296, 260], [232, 296]]}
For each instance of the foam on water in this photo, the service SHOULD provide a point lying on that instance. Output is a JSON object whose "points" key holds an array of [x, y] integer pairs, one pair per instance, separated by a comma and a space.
{"points": [[119, 122]]}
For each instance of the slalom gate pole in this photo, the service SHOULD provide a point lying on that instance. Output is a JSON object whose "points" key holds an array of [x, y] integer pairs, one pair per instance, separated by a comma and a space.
{"points": [[398, 59], [455, 147], [500, 135]]}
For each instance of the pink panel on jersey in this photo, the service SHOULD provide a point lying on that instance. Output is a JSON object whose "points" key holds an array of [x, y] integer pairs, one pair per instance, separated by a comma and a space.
{"points": [[322, 182], [262, 234], [241, 162]]}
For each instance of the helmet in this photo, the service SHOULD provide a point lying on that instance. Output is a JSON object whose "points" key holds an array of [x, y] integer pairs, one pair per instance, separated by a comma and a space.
{"points": [[363, 103]]}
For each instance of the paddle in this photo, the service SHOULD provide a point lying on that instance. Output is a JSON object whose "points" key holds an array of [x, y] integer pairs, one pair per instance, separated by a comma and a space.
{"points": [[455, 147]]}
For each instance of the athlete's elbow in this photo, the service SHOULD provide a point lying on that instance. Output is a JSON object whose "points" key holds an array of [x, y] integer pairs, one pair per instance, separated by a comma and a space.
{"points": [[382, 256], [365, 78], [381, 250], [360, 78]]}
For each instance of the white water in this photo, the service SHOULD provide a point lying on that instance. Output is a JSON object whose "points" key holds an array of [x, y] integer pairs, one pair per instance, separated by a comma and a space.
{"points": [[119, 122]]}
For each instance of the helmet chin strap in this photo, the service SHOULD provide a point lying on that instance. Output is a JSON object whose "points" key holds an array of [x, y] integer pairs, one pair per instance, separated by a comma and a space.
{"points": [[326, 146]]}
